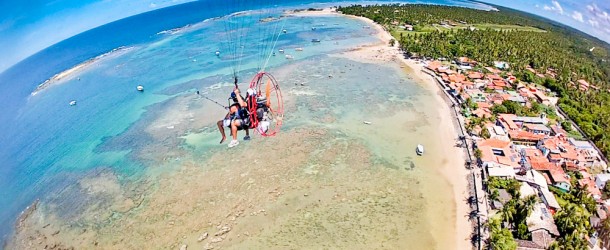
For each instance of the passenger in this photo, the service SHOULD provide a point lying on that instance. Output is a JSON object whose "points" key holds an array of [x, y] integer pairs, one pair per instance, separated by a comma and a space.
{"points": [[236, 119]]}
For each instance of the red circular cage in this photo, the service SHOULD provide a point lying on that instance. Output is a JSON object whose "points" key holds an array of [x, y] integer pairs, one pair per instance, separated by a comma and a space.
{"points": [[266, 106]]}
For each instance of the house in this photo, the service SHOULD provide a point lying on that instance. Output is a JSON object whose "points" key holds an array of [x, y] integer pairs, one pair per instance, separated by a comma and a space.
{"points": [[520, 120], [408, 27], [580, 144], [553, 173], [601, 179], [557, 130], [465, 61], [537, 128], [541, 98], [498, 157], [506, 122], [587, 181], [528, 245], [498, 132], [541, 225], [501, 65], [549, 200], [536, 181], [558, 150], [518, 99], [482, 113], [475, 75], [521, 137], [434, 65]]}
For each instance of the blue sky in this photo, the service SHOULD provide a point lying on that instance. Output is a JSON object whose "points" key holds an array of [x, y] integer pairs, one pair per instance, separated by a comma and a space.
{"points": [[29, 26]]}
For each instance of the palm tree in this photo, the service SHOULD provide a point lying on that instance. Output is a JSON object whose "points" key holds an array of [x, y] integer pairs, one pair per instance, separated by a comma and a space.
{"points": [[494, 195], [571, 219], [508, 211]]}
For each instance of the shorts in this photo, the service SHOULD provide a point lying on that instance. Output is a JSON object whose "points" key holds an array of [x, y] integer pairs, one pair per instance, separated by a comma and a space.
{"points": [[244, 124]]}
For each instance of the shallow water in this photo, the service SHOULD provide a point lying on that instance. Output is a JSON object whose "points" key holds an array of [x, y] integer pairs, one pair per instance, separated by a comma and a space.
{"points": [[144, 170]]}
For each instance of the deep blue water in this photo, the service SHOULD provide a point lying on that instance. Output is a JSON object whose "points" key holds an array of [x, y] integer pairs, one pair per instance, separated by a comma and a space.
{"points": [[46, 144]]}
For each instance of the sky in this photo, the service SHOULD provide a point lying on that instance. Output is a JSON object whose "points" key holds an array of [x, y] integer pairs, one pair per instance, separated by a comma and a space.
{"points": [[27, 27]]}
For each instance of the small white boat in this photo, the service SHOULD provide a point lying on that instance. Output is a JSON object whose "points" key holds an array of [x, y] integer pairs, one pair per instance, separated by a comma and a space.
{"points": [[420, 149], [140, 88], [217, 53], [289, 57], [281, 51], [72, 103], [367, 122], [299, 49], [284, 31]]}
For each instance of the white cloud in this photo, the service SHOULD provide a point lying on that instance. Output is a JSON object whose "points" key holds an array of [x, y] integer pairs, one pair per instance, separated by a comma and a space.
{"points": [[593, 23], [556, 7], [577, 16]]}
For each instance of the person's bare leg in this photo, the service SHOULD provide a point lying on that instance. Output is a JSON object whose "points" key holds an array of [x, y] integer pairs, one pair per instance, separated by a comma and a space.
{"points": [[221, 129], [234, 126]]}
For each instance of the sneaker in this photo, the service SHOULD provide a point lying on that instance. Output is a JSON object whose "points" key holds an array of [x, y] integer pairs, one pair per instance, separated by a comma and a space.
{"points": [[247, 137], [233, 143]]}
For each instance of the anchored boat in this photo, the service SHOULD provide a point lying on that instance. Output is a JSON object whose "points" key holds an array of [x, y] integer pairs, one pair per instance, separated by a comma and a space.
{"points": [[419, 149]]}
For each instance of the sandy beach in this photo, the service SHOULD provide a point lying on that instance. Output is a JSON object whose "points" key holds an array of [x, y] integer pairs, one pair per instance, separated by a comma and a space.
{"points": [[327, 181]]}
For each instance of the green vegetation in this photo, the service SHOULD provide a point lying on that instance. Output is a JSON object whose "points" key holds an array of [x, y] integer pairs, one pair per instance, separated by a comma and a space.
{"points": [[501, 238], [564, 51], [572, 223]]}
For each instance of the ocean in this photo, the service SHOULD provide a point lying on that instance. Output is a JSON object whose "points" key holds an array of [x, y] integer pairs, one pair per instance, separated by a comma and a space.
{"points": [[48, 146]]}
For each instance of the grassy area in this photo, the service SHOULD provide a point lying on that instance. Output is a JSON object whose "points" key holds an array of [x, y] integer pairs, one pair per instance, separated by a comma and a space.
{"points": [[507, 27], [396, 31]]}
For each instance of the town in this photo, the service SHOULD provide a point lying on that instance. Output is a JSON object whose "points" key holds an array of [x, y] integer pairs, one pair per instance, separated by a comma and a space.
{"points": [[542, 177]]}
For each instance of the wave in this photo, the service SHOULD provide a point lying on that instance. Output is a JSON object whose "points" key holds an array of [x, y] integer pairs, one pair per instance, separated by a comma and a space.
{"points": [[175, 30], [78, 68]]}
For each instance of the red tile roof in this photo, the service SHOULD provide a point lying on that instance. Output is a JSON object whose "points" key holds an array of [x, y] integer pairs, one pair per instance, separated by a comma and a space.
{"points": [[524, 135], [475, 75], [434, 65]]}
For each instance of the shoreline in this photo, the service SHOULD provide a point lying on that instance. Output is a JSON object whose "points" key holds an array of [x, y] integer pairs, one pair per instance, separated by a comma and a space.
{"points": [[78, 68], [455, 173]]}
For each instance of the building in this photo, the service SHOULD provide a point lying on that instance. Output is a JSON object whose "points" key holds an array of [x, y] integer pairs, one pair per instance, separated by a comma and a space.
{"points": [[541, 225], [601, 179], [537, 128], [527, 138], [499, 158]]}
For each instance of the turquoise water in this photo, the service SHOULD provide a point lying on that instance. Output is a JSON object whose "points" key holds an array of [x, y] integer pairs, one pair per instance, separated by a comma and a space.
{"points": [[49, 145]]}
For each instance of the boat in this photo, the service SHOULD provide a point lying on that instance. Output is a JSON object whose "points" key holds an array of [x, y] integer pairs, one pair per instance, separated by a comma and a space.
{"points": [[284, 31], [281, 51], [367, 122], [217, 53], [299, 49], [315, 40], [140, 88], [289, 57], [72, 103], [313, 28], [420, 149]]}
